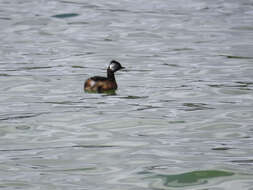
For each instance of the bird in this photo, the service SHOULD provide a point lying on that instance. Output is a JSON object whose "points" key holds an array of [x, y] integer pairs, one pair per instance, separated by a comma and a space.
{"points": [[101, 84]]}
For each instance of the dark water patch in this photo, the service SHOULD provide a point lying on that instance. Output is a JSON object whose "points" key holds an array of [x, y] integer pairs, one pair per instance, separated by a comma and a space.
{"points": [[23, 127], [90, 53], [244, 83], [77, 67], [249, 161], [182, 49], [177, 121], [133, 97], [236, 57], [228, 102], [191, 178], [147, 12], [238, 85], [35, 68], [222, 148], [128, 11], [83, 54], [101, 103], [16, 150], [4, 75], [65, 15], [75, 169], [78, 23], [147, 107], [94, 146], [216, 85], [118, 10], [38, 167], [201, 42], [5, 18], [108, 40], [167, 101], [205, 8], [171, 65], [23, 116], [196, 106], [71, 2], [23, 63], [121, 10]]}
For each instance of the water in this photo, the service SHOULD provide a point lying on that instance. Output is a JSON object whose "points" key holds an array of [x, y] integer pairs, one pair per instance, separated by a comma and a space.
{"points": [[182, 117]]}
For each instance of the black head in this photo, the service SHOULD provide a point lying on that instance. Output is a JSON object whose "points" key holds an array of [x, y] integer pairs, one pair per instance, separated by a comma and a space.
{"points": [[114, 66]]}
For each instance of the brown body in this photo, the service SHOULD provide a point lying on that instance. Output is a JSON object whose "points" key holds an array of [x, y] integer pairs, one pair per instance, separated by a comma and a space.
{"points": [[100, 85]]}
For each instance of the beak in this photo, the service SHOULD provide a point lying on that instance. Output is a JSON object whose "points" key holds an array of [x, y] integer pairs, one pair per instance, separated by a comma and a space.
{"points": [[122, 67]]}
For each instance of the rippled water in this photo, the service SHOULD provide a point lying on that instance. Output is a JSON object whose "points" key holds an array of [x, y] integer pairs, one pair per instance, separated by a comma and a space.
{"points": [[182, 117]]}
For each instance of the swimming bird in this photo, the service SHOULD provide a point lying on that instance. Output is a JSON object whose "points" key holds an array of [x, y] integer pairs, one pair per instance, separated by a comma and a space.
{"points": [[102, 84]]}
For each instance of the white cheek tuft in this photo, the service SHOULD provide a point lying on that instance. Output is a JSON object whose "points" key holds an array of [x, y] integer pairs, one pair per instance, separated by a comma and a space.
{"points": [[113, 66]]}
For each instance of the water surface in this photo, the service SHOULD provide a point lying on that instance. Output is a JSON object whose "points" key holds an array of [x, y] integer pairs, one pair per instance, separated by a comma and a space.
{"points": [[182, 117]]}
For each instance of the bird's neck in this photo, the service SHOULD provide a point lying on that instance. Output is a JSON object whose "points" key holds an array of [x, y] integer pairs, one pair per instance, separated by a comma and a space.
{"points": [[110, 75]]}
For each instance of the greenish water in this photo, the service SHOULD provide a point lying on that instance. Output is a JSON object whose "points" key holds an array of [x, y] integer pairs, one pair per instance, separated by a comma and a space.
{"points": [[182, 117], [192, 178]]}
